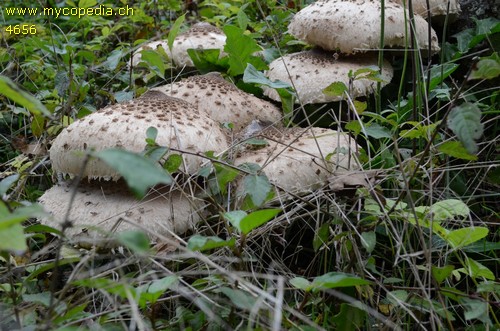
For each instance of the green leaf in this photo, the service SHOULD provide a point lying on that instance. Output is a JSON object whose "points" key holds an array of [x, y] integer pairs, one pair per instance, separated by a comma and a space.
{"points": [[150, 293], [240, 48], [113, 59], [449, 209], [301, 283], [14, 93], [350, 318], [174, 31], [337, 279], [369, 240], [207, 60], [247, 222], [154, 62], [336, 89], [377, 131], [466, 236], [202, 243], [7, 183], [440, 274], [321, 236], [252, 75], [240, 299], [86, 3], [173, 163], [139, 172], [465, 122], [242, 18], [438, 74], [12, 239], [19, 215], [136, 241], [457, 150], [487, 68], [476, 270], [475, 309], [224, 176], [257, 187]]}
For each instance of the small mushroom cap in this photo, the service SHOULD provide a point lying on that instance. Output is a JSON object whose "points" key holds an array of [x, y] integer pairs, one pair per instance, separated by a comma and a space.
{"points": [[296, 158], [222, 100], [200, 36], [310, 72], [354, 26], [179, 124], [437, 7], [104, 207]]}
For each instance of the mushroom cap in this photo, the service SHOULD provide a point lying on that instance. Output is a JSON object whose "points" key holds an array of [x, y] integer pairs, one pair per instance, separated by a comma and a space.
{"points": [[103, 207], [200, 36], [296, 159], [222, 100], [310, 72], [437, 7], [179, 124], [354, 26]]}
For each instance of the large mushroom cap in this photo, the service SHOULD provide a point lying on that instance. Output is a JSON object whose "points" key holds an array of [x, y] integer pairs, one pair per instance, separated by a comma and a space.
{"points": [[199, 36], [354, 26], [105, 207], [300, 160], [222, 101], [180, 126], [436, 7], [310, 72]]}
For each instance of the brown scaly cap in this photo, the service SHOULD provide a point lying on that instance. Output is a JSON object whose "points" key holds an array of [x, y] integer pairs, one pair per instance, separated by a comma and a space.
{"points": [[124, 125], [222, 100], [352, 26]]}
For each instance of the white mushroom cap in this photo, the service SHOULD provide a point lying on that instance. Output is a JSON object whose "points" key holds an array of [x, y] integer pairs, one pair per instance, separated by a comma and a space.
{"points": [[180, 126], [109, 207], [437, 7], [354, 26], [295, 158], [222, 100], [199, 36], [310, 72]]}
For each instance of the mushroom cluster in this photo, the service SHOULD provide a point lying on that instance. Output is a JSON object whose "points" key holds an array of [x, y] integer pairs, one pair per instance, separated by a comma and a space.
{"points": [[200, 36], [180, 125], [349, 27]]}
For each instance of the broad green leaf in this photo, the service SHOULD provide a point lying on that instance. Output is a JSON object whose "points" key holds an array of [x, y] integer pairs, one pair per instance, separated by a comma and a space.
{"points": [[42, 298], [439, 72], [6, 183], [377, 131], [257, 187], [151, 134], [173, 163], [224, 175], [16, 94], [475, 309], [207, 60], [136, 241], [202, 243], [321, 236], [174, 31], [242, 18], [12, 239], [476, 270], [350, 318], [487, 68], [441, 273], [86, 3], [154, 62], [113, 59], [466, 236], [359, 106], [465, 122], [448, 209], [252, 75], [139, 172], [113, 287], [240, 299], [301, 283], [150, 293], [369, 240], [337, 279], [38, 125], [240, 48], [19, 215], [247, 222], [336, 89], [457, 150]]}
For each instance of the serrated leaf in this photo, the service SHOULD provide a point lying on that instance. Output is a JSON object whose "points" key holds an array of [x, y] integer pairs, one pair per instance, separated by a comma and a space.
{"points": [[466, 236], [19, 96], [202, 243], [335, 89], [139, 172], [240, 48], [465, 122], [456, 149], [136, 241], [174, 31], [257, 187]]}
